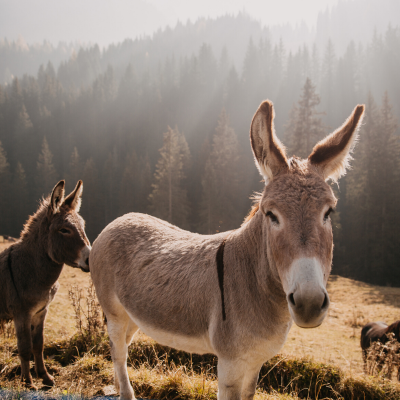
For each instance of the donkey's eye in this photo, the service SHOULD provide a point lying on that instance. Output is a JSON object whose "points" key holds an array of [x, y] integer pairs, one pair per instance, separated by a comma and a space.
{"points": [[326, 216], [273, 217], [64, 231]]}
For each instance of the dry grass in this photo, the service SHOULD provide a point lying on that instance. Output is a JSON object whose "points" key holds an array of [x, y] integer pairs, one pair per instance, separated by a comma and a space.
{"points": [[384, 359], [84, 366], [61, 322]]}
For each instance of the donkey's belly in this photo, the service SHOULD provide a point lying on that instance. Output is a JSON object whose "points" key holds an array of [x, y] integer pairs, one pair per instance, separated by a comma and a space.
{"points": [[191, 344]]}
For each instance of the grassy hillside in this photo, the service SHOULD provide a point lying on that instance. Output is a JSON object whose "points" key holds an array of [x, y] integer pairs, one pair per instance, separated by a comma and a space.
{"points": [[314, 362]]}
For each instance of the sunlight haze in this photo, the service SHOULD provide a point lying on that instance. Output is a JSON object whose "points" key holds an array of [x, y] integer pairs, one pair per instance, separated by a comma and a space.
{"points": [[106, 22]]}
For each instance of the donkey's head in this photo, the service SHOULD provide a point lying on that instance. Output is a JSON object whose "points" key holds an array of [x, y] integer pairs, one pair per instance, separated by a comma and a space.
{"points": [[296, 204], [67, 241]]}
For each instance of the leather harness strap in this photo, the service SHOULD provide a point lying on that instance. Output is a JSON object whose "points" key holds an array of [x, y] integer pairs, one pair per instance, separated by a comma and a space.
{"points": [[220, 270]]}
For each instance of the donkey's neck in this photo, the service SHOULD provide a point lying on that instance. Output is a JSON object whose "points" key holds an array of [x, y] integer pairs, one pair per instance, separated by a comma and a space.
{"points": [[34, 244], [249, 271]]}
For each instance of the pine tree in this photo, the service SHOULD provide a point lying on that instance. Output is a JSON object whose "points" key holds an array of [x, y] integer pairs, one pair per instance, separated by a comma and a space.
{"points": [[75, 169], [315, 65], [220, 181], [145, 185], [168, 199], [92, 209], [20, 203], [305, 127], [130, 185], [328, 72], [23, 122], [5, 223], [111, 182], [46, 174]]}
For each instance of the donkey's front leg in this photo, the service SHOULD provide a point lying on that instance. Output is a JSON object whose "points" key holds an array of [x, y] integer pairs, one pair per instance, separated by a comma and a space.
{"points": [[250, 381], [23, 330], [37, 342], [117, 331], [230, 379]]}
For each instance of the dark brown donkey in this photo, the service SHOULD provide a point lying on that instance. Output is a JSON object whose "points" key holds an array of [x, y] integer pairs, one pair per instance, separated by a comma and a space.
{"points": [[29, 270], [377, 332]]}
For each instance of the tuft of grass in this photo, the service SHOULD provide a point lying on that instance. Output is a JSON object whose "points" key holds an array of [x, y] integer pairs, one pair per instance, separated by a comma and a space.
{"points": [[384, 359]]}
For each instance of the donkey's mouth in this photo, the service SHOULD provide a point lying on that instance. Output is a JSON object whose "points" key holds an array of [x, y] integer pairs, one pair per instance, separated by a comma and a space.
{"points": [[76, 265]]}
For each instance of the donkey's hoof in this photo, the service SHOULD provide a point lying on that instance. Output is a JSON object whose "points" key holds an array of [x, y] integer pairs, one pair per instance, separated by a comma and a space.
{"points": [[48, 380], [129, 395], [30, 386]]}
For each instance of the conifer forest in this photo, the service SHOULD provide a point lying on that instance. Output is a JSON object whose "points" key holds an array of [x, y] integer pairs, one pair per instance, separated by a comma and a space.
{"points": [[160, 125]]}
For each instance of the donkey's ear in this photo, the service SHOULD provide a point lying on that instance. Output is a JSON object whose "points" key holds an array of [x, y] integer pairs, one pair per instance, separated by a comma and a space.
{"points": [[332, 155], [57, 197], [74, 199], [268, 151]]}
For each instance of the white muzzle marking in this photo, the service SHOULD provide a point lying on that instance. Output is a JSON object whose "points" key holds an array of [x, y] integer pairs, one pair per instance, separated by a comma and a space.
{"points": [[307, 297]]}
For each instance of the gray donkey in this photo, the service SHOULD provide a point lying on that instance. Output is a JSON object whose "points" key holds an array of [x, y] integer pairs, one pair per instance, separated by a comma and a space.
{"points": [[234, 294], [29, 270]]}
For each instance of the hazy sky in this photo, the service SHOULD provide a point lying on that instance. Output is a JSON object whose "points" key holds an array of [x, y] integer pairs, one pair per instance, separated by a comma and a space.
{"points": [[106, 21], [269, 12]]}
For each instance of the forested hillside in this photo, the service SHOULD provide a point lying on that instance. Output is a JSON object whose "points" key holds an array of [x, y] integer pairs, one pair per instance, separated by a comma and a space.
{"points": [[160, 125]]}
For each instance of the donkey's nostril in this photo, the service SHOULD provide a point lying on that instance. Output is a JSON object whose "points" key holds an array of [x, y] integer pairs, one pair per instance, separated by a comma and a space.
{"points": [[325, 304], [291, 299], [87, 261]]}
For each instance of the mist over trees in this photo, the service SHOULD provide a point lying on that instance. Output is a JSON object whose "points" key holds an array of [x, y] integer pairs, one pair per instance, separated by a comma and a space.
{"points": [[151, 128]]}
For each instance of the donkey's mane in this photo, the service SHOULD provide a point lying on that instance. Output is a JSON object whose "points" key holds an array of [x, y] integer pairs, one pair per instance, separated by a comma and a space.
{"points": [[34, 220], [256, 197]]}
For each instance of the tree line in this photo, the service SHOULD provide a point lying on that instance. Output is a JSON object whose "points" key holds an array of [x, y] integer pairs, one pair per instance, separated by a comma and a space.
{"points": [[172, 140]]}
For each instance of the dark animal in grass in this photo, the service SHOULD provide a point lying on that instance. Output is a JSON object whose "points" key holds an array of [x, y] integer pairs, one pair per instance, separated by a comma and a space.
{"points": [[377, 332], [29, 270]]}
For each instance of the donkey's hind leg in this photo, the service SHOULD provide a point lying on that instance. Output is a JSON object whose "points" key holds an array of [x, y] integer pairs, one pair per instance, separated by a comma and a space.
{"points": [[117, 326]]}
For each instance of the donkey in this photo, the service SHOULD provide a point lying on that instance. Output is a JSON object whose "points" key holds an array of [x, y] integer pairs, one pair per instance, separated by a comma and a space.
{"points": [[233, 294], [377, 332], [29, 270]]}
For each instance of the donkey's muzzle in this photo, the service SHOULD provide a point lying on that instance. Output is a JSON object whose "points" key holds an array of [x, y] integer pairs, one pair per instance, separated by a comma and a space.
{"points": [[308, 307], [83, 261], [307, 297]]}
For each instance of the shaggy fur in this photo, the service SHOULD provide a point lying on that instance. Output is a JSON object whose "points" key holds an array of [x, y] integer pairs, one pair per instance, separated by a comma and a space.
{"points": [[29, 270], [234, 294]]}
